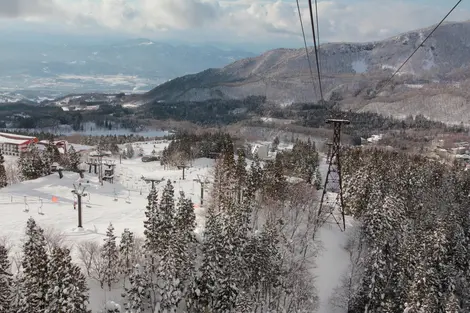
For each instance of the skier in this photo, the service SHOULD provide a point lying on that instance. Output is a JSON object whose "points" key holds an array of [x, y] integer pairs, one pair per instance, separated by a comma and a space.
{"points": [[74, 204]]}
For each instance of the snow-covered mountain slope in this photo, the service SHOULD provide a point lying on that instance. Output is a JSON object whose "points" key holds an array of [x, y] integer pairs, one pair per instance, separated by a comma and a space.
{"points": [[350, 71]]}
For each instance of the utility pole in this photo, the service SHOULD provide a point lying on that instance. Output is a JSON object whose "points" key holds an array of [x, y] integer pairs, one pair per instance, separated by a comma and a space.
{"points": [[333, 180], [80, 192]]}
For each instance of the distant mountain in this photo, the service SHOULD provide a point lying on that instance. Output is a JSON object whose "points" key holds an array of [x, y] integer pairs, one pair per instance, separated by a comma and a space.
{"points": [[128, 66], [438, 75]]}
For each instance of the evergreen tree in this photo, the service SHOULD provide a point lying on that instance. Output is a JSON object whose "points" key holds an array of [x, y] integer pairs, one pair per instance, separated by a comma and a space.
{"points": [[275, 144], [241, 174], [74, 159], [67, 292], [137, 295], [256, 176], [151, 225], [6, 283], [30, 163], [126, 250], [35, 279], [318, 181], [3, 173], [46, 157], [110, 256], [129, 151], [152, 244], [185, 224], [167, 214], [206, 286], [275, 181], [171, 286]]}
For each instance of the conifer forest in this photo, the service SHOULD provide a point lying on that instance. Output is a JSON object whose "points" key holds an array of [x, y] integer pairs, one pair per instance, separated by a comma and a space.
{"points": [[407, 238]]}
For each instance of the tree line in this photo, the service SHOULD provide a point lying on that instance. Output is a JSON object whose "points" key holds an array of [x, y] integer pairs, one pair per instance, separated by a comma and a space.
{"points": [[410, 252], [34, 163]]}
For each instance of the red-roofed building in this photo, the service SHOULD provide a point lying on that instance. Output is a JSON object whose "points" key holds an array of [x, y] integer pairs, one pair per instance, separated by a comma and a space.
{"points": [[12, 144]]}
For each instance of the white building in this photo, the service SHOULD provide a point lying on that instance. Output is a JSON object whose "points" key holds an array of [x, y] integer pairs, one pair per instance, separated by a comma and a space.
{"points": [[261, 151], [12, 144]]}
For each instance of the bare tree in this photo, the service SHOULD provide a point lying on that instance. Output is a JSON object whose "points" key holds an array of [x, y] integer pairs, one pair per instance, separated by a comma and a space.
{"points": [[13, 173], [89, 256], [54, 238], [16, 262], [6, 242]]}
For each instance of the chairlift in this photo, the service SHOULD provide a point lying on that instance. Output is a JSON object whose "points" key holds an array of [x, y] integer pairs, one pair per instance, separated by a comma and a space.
{"points": [[128, 200], [26, 206], [40, 207], [88, 204]]}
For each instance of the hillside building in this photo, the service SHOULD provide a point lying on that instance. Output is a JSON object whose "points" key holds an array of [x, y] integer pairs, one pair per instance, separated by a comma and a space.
{"points": [[12, 144]]}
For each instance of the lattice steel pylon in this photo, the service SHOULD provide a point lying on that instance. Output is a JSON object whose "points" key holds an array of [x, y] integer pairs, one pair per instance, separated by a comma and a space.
{"points": [[333, 181]]}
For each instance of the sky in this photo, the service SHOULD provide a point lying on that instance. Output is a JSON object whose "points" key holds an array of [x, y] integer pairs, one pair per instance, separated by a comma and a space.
{"points": [[249, 24]]}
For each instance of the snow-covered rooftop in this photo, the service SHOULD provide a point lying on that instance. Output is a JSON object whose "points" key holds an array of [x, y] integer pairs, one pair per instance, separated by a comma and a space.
{"points": [[13, 141], [16, 136]]}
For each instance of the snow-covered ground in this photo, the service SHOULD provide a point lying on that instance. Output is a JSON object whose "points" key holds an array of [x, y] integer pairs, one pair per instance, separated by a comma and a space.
{"points": [[50, 202]]}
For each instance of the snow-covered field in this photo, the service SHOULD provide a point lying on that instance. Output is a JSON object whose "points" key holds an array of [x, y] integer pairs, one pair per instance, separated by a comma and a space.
{"points": [[50, 202]]}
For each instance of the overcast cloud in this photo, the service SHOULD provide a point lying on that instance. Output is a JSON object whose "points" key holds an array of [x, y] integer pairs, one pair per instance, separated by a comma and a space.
{"points": [[267, 21]]}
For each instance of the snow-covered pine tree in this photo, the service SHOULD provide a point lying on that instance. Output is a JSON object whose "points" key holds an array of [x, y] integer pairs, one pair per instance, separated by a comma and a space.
{"points": [[151, 225], [275, 144], [129, 151], [3, 173], [137, 295], [185, 223], [67, 291], [206, 283], [110, 256], [275, 181], [6, 282], [17, 293], [152, 244], [255, 177], [47, 157], [111, 307], [126, 250], [30, 163], [35, 279], [74, 158], [318, 180], [263, 258], [167, 213], [170, 286], [241, 174]]}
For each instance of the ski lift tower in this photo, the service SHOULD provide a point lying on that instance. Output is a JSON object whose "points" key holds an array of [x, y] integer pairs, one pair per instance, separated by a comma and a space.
{"points": [[79, 191], [99, 154], [333, 180], [202, 182], [153, 181]]}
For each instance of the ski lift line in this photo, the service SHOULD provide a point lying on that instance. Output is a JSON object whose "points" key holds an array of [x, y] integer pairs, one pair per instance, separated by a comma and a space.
{"points": [[420, 45], [306, 48], [318, 34], [315, 47]]}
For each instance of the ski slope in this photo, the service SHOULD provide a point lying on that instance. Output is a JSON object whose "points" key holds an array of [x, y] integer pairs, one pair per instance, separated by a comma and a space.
{"points": [[50, 201]]}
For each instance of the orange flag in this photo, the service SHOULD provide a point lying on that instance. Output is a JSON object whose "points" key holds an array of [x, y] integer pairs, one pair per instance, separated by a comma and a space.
{"points": [[54, 199]]}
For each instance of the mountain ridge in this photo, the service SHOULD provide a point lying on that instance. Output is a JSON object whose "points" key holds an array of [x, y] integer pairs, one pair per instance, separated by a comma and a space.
{"points": [[351, 72]]}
